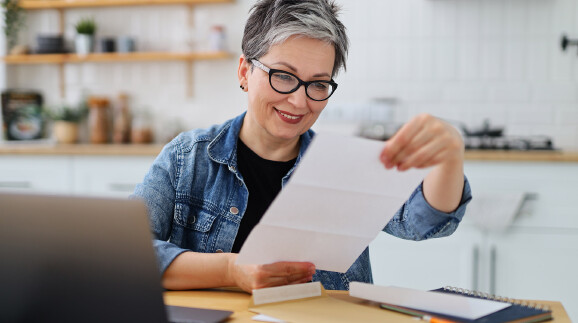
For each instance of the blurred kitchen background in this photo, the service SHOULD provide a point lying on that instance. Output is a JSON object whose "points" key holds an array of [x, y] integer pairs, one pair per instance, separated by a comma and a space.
{"points": [[470, 61], [494, 68]]}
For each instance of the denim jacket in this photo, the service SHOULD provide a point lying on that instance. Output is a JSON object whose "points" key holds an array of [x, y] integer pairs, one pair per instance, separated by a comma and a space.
{"points": [[196, 198]]}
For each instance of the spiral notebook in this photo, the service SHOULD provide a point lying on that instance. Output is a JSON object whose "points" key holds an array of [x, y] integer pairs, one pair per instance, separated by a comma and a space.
{"points": [[519, 311]]}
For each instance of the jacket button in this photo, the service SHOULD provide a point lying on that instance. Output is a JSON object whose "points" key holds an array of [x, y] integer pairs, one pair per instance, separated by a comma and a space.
{"points": [[234, 210], [219, 251]]}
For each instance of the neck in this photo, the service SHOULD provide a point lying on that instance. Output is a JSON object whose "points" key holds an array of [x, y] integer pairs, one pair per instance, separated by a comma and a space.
{"points": [[267, 146]]}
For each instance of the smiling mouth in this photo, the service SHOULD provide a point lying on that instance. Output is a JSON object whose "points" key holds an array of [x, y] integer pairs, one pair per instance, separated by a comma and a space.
{"points": [[288, 116]]}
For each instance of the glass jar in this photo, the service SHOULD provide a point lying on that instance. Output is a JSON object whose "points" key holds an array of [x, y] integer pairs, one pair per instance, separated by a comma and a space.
{"points": [[121, 121], [98, 120], [142, 132]]}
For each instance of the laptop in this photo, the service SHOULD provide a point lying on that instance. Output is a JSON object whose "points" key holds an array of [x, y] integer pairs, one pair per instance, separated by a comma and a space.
{"points": [[81, 259]]}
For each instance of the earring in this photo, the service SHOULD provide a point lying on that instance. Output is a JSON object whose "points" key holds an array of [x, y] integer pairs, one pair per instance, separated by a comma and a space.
{"points": [[242, 88]]}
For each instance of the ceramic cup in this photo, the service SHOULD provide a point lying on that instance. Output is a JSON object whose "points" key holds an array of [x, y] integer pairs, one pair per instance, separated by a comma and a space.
{"points": [[108, 45], [125, 44]]}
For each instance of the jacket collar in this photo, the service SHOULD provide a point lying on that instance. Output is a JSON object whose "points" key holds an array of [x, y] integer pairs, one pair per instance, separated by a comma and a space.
{"points": [[223, 148]]}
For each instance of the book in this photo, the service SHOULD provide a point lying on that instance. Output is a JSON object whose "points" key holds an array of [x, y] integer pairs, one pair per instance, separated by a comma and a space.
{"points": [[427, 301], [22, 115], [519, 311]]}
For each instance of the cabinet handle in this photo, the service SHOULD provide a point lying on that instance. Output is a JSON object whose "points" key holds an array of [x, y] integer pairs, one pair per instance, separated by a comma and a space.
{"points": [[21, 185], [475, 267], [121, 187], [493, 259]]}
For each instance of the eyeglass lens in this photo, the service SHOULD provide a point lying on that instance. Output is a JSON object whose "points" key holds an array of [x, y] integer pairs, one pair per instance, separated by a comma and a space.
{"points": [[287, 83]]}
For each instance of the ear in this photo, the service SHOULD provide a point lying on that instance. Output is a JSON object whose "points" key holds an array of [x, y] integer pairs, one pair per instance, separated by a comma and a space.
{"points": [[243, 72]]}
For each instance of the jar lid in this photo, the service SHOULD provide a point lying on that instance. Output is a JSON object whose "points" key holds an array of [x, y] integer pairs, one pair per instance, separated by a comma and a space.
{"points": [[98, 102]]}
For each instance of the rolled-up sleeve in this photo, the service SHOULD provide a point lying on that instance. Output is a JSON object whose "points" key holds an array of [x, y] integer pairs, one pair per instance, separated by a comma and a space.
{"points": [[158, 192], [418, 220]]}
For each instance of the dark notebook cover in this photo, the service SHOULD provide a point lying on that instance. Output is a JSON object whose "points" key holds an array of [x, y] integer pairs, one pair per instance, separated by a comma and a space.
{"points": [[179, 314], [523, 313]]}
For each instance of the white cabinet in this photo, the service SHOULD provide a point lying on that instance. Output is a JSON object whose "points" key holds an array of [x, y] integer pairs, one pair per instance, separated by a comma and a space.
{"points": [[429, 264], [108, 176], [114, 176], [536, 264], [554, 185], [535, 257], [36, 174]]}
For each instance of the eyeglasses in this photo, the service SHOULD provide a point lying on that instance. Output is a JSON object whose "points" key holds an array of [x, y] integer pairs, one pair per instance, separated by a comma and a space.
{"points": [[285, 83]]}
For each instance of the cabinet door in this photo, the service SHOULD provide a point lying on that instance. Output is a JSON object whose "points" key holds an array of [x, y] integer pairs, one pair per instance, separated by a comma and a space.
{"points": [[537, 264], [553, 185], [32, 173], [109, 176], [427, 264]]}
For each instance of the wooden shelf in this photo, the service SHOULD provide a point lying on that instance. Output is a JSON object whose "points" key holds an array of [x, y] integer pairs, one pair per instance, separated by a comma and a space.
{"points": [[61, 59], [61, 4], [112, 57]]}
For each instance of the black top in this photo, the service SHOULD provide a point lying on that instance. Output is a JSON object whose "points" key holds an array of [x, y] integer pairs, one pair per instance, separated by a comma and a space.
{"points": [[263, 179]]}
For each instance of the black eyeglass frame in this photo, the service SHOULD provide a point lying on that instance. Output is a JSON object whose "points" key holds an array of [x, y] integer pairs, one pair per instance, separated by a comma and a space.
{"points": [[270, 71]]}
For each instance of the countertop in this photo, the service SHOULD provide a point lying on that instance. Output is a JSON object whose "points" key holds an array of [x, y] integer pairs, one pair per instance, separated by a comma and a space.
{"points": [[80, 149], [154, 149]]}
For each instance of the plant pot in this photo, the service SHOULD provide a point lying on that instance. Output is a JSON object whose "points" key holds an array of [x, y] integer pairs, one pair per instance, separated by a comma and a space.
{"points": [[84, 44], [65, 132]]}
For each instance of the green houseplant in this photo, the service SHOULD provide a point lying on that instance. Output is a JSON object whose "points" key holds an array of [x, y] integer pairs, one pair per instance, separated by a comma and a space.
{"points": [[66, 122], [86, 26], [13, 21], [85, 30]]}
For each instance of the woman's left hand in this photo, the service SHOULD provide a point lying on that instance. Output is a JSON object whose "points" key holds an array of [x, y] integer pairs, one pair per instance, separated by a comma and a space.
{"points": [[423, 142]]}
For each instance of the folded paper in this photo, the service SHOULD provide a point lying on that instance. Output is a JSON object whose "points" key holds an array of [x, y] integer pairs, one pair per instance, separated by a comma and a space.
{"points": [[336, 202]]}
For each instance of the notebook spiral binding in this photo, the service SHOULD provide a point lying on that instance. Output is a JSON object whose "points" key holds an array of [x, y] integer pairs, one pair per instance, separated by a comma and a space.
{"points": [[488, 296]]}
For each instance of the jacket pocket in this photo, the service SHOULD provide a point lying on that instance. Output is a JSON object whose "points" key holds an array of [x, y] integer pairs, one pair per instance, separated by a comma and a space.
{"points": [[195, 217]]}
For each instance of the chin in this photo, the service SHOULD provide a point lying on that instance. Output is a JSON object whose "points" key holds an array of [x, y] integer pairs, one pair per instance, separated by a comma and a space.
{"points": [[287, 134]]}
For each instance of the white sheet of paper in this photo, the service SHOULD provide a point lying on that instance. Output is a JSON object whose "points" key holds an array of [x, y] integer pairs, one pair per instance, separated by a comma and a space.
{"points": [[454, 305], [266, 318], [336, 202]]}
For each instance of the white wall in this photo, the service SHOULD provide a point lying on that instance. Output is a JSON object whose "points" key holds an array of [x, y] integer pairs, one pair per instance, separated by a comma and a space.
{"points": [[464, 60]]}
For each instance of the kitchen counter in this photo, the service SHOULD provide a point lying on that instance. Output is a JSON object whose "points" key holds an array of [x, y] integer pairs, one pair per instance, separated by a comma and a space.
{"points": [[81, 149], [154, 149], [533, 155]]}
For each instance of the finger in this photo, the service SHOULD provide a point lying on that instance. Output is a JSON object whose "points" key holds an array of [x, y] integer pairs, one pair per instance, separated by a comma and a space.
{"points": [[287, 272], [302, 281], [416, 145], [280, 280], [290, 268], [294, 279], [426, 156], [444, 146], [399, 140]]}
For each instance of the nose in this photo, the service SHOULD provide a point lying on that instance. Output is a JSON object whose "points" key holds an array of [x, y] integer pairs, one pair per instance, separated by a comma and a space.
{"points": [[299, 98]]}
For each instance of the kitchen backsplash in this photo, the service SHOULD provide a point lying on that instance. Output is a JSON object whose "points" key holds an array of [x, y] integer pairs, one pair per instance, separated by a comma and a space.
{"points": [[462, 60]]}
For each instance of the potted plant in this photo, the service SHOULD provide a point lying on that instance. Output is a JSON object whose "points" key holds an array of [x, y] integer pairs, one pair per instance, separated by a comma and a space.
{"points": [[66, 122], [13, 21], [85, 29]]}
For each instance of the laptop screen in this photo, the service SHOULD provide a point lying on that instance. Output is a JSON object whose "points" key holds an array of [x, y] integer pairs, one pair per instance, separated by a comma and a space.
{"points": [[77, 259]]}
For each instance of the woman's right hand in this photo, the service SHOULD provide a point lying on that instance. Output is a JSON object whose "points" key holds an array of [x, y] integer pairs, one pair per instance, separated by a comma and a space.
{"points": [[249, 277]]}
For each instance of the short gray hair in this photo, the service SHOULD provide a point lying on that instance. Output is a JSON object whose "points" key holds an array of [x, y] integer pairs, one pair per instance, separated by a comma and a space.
{"points": [[273, 21]]}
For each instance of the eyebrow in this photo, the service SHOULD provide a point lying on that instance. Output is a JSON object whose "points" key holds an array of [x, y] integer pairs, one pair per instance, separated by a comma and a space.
{"points": [[292, 68]]}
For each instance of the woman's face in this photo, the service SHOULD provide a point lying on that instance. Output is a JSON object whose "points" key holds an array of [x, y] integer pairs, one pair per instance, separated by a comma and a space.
{"points": [[286, 116]]}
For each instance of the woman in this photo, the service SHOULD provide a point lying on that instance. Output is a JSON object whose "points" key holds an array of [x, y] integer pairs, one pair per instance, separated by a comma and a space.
{"points": [[208, 188]]}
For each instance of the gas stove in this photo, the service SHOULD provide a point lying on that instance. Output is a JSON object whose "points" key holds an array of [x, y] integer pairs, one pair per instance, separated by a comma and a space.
{"points": [[509, 142], [490, 137]]}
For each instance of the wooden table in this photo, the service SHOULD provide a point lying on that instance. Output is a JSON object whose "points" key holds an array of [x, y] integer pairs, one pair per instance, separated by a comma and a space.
{"points": [[238, 302]]}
